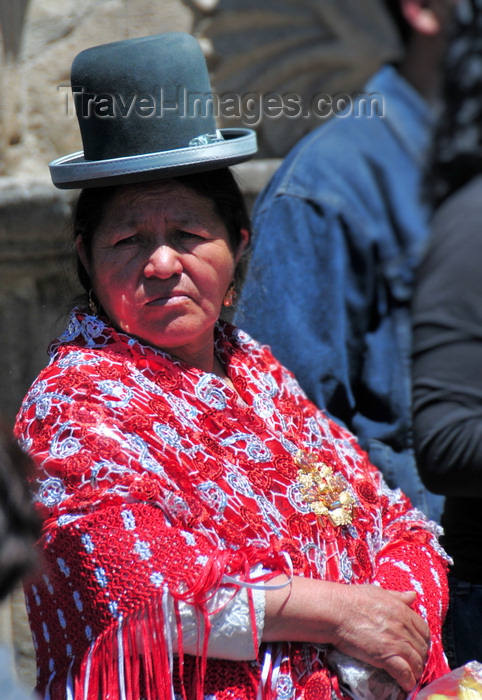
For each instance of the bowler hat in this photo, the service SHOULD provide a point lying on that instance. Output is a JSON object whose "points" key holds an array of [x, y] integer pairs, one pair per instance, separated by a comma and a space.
{"points": [[146, 111]]}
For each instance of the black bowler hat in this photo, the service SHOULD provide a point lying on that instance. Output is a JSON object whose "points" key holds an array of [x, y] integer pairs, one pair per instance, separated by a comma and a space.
{"points": [[146, 111]]}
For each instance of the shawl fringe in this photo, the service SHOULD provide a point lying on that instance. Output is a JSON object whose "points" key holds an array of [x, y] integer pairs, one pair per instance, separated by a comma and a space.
{"points": [[132, 659]]}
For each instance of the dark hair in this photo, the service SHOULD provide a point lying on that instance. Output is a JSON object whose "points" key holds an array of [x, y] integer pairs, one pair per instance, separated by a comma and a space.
{"points": [[219, 186], [457, 145], [19, 524], [395, 11]]}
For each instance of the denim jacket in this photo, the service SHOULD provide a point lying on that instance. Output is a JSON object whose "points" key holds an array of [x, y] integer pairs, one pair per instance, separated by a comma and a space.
{"points": [[338, 233]]}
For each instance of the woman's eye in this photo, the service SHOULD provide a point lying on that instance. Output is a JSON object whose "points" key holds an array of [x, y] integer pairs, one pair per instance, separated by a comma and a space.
{"points": [[188, 234], [125, 241], [183, 236], [202, 234]]}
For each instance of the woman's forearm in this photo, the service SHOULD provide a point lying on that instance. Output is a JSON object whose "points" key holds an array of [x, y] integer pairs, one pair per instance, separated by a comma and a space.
{"points": [[364, 621], [303, 611]]}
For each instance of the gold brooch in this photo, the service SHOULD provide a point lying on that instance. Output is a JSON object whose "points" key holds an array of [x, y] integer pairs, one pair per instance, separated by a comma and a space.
{"points": [[326, 493]]}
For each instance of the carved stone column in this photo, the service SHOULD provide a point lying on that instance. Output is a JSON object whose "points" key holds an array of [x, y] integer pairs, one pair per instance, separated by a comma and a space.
{"points": [[34, 287]]}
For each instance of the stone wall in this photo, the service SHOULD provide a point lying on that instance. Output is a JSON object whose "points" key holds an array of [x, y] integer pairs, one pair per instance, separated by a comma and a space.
{"points": [[35, 124]]}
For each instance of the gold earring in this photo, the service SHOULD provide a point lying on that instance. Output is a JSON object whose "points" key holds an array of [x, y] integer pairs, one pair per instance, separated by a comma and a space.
{"points": [[92, 305], [230, 296]]}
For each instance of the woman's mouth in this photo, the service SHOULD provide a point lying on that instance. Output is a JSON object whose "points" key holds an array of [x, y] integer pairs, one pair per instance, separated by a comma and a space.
{"points": [[170, 299]]}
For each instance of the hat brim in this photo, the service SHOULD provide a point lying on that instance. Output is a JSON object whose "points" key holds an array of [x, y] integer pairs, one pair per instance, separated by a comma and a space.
{"points": [[74, 172]]}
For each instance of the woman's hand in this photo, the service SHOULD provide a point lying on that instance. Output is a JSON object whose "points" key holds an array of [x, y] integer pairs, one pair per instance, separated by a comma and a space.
{"points": [[367, 622], [379, 627]]}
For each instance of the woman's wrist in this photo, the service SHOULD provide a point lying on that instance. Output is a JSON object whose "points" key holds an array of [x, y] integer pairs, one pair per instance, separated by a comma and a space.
{"points": [[303, 611]]}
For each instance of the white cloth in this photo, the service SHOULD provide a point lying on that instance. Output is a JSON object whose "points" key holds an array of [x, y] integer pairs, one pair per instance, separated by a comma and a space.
{"points": [[231, 635]]}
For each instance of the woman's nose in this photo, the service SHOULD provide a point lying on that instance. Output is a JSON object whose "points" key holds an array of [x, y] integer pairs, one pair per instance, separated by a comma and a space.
{"points": [[163, 262]]}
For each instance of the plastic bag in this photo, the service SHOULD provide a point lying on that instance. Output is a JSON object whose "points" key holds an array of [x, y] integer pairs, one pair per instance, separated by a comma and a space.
{"points": [[362, 681], [464, 682]]}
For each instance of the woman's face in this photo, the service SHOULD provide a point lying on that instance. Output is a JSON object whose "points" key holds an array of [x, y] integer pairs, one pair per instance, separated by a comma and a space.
{"points": [[161, 265]]}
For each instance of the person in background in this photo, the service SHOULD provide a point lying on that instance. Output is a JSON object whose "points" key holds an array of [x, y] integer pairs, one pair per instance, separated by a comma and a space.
{"points": [[447, 318], [337, 235], [209, 533], [19, 530]]}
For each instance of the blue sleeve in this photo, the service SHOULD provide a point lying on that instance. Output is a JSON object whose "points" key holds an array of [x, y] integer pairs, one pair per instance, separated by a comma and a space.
{"points": [[301, 298]]}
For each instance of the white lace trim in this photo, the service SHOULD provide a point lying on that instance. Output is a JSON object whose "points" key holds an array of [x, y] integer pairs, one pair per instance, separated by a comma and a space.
{"points": [[231, 636]]}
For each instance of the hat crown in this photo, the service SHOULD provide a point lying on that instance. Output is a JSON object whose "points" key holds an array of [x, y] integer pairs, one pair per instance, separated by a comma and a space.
{"points": [[146, 111], [142, 95]]}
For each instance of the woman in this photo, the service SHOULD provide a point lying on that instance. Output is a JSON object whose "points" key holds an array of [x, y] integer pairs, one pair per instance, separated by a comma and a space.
{"points": [[202, 517], [447, 316]]}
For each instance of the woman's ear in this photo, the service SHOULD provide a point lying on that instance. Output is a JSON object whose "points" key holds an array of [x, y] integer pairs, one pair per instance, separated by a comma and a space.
{"points": [[245, 237], [426, 17], [81, 252]]}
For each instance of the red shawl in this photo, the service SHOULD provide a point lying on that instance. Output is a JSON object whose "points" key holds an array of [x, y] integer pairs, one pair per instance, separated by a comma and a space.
{"points": [[156, 478]]}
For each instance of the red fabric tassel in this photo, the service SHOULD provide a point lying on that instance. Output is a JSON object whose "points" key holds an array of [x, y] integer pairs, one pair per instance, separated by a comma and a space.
{"points": [[129, 661]]}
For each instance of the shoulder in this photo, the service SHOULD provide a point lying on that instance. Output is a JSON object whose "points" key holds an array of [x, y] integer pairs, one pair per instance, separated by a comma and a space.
{"points": [[346, 155], [449, 275], [465, 202], [257, 358], [249, 350], [456, 224], [75, 373]]}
